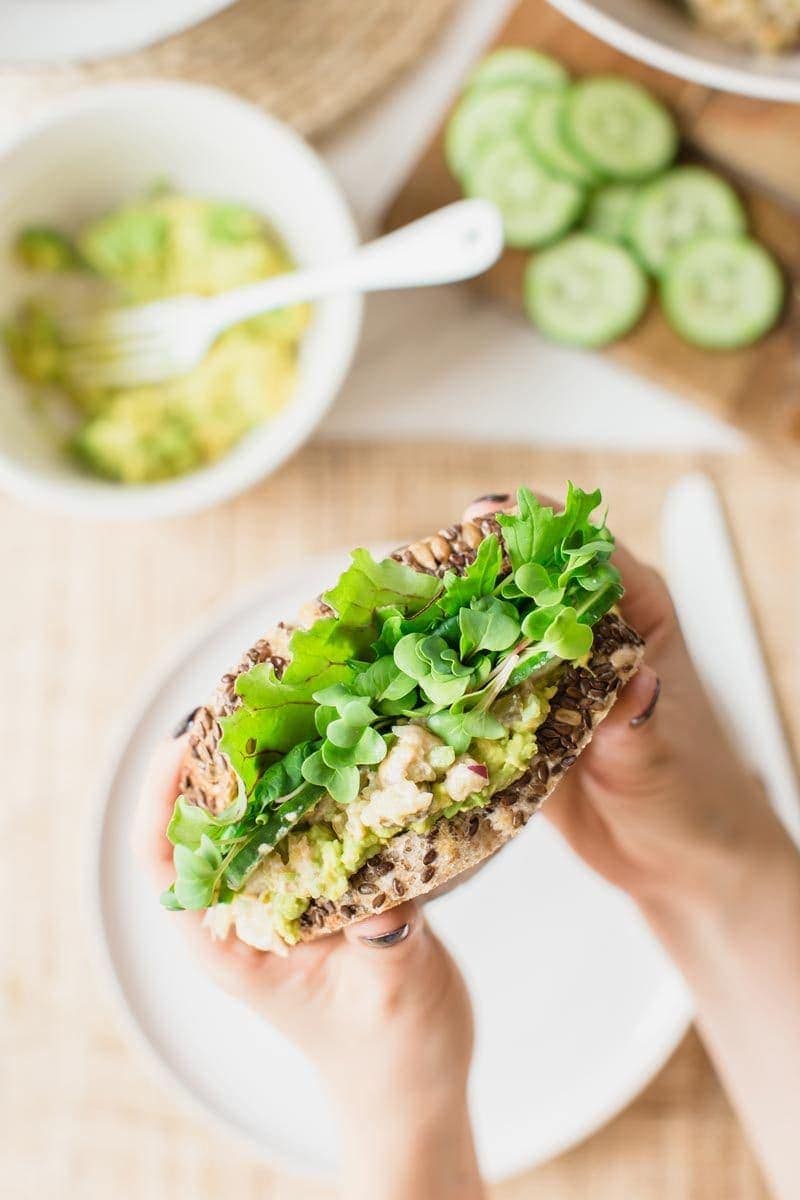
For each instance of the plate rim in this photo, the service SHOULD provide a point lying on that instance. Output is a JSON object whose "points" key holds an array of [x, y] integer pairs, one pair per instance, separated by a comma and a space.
{"points": [[736, 80], [91, 41], [123, 733]]}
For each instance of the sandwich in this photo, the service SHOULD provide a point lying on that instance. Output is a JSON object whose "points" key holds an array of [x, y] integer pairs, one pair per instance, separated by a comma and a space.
{"points": [[404, 728]]}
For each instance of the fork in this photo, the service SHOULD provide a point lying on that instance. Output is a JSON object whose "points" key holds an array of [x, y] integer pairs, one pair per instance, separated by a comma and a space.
{"points": [[125, 347]]}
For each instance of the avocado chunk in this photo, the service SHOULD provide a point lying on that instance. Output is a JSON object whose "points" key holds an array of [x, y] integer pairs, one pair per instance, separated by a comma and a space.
{"points": [[43, 249]]}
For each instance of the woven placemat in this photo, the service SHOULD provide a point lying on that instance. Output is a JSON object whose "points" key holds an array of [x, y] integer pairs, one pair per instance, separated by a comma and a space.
{"points": [[310, 62], [83, 1115]]}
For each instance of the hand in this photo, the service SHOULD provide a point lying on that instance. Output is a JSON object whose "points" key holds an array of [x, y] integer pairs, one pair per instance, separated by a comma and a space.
{"points": [[659, 803], [381, 1011]]}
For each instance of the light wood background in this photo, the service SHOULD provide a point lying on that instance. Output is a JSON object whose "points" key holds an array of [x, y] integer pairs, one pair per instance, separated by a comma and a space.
{"points": [[87, 609]]}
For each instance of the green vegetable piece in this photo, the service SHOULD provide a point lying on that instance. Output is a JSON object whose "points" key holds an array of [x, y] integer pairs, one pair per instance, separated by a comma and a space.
{"points": [[478, 580], [435, 667], [488, 624], [585, 291], [198, 874], [341, 782], [268, 833], [558, 632], [129, 247], [231, 223], [722, 291], [33, 343], [536, 206], [518, 64], [536, 532], [609, 210], [368, 585], [383, 680], [481, 119], [544, 130], [276, 714], [618, 128], [682, 204], [43, 249], [535, 581], [170, 901], [459, 729]]}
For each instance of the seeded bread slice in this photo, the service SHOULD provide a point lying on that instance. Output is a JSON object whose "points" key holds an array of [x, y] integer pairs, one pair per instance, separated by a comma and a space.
{"points": [[412, 864]]}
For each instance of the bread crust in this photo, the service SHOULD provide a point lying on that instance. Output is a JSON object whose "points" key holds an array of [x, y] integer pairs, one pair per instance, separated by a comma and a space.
{"points": [[412, 864]]}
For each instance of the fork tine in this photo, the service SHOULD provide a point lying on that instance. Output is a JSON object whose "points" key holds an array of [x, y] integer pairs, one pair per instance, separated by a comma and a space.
{"points": [[100, 371], [119, 348]]}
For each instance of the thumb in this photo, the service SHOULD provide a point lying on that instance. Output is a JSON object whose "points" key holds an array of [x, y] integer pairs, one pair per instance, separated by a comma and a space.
{"points": [[628, 740], [397, 930]]}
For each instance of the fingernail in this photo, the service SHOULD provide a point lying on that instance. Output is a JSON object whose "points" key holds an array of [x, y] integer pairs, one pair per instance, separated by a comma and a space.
{"points": [[183, 725], [648, 712], [388, 939], [495, 497]]}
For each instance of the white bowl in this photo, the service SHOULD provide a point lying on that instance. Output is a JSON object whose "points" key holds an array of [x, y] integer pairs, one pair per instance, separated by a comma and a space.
{"points": [[59, 30], [110, 144], [663, 34]]}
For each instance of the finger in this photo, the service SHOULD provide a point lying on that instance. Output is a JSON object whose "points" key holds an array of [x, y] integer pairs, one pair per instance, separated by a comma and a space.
{"points": [[647, 603], [154, 809], [628, 744], [395, 930], [484, 506]]}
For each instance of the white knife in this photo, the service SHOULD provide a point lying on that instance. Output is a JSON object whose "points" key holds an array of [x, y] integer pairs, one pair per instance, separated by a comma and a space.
{"points": [[713, 608]]}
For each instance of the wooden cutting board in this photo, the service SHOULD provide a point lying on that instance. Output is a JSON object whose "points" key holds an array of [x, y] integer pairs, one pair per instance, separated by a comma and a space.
{"points": [[758, 388]]}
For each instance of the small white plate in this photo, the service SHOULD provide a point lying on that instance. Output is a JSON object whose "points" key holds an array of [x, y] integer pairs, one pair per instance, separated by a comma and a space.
{"points": [[65, 30], [576, 1005], [664, 35]]}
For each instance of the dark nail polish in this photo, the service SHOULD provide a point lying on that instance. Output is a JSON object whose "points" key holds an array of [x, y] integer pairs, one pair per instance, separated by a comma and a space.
{"points": [[183, 725], [388, 939], [648, 712], [494, 497]]}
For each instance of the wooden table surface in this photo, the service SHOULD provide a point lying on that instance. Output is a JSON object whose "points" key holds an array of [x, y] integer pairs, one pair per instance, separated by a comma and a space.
{"points": [[87, 609]]}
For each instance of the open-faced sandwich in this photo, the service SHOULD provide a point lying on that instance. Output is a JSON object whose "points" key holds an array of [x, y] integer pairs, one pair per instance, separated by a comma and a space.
{"points": [[406, 729]]}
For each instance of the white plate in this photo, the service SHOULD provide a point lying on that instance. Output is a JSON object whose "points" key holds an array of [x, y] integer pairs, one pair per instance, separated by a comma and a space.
{"points": [[576, 1005], [662, 33], [65, 30]]}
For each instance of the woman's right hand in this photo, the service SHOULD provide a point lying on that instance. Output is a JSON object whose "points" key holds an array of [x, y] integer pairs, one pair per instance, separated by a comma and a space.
{"points": [[659, 803]]}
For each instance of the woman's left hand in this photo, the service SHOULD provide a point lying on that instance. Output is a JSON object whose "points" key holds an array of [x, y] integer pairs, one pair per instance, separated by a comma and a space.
{"points": [[381, 1010]]}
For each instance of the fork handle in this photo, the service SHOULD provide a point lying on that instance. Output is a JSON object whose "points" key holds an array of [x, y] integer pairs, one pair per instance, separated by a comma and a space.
{"points": [[456, 242]]}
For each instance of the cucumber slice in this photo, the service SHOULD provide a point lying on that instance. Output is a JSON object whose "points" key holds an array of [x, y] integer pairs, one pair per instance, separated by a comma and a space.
{"points": [[619, 129], [544, 129], [536, 207], [586, 291], [609, 211], [722, 291], [481, 118], [684, 203], [516, 64]]}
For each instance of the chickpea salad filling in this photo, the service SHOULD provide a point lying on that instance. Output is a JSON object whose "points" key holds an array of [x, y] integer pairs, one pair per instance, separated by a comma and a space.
{"points": [[413, 699]]}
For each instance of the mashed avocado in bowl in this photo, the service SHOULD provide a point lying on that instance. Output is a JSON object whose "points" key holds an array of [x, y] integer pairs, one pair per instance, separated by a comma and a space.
{"points": [[162, 245]]}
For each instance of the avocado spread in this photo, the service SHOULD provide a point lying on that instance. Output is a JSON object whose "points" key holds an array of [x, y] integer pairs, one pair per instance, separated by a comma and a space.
{"points": [[420, 780], [160, 246]]}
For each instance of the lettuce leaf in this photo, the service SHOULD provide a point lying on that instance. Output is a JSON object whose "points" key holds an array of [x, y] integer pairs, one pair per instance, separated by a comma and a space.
{"points": [[400, 643]]}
